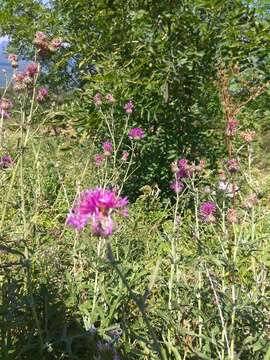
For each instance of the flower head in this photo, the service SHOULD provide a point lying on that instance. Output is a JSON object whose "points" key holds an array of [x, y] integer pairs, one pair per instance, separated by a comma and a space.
{"points": [[176, 186], [231, 127], [13, 58], [97, 206], [125, 155], [136, 133], [5, 104], [97, 99], [110, 98], [107, 148], [32, 69], [98, 159], [207, 210], [248, 136], [232, 216], [6, 161], [129, 106], [55, 44], [42, 94], [233, 165]]}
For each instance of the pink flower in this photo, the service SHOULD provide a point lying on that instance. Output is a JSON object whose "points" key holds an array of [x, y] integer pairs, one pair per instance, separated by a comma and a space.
{"points": [[231, 127], [107, 148], [98, 207], [136, 133], [98, 159], [6, 161], [129, 106], [125, 155], [110, 98], [248, 136], [176, 186], [5, 104], [42, 94], [97, 99], [31, 70], [207, 210]]}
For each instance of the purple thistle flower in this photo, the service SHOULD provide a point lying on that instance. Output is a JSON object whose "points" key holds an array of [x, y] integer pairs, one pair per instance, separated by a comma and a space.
{"points": [[6, 161], [98, 159], [97, 206], [207, 210], [176, 186], [107, 148], [136, 133], [129, 106], [97, 99]]}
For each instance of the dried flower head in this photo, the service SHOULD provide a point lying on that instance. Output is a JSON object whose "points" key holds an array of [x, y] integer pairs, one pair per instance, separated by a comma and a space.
{"points": [[232, 216], [231, 127], [251, 201], [233, 165]]}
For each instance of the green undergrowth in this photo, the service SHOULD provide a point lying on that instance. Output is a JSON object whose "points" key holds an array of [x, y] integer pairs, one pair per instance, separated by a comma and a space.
{"points": [[62, 299]]}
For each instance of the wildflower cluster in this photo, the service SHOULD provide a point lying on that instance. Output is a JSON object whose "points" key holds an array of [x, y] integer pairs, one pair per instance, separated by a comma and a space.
{"points": [[44, 45]]}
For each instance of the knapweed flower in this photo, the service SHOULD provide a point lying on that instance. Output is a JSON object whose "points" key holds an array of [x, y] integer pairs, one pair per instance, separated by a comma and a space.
{"points": [[97, 206], [185, 170], [129, 106], [207, 210], [176, 186], [32, 69], [42, 94], [45, 47], [136, 133], [231, 127], [232, 216], [98, 159], [97, 99], [251, 201], [233, 165], [107, 148], [13, 58], [125, 155], [248, 136], [110, 98], [5, 104], [6, 161]]}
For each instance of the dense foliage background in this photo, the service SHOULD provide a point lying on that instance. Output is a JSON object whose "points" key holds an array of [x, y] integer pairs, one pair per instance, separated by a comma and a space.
{"points": [[164, 55]]}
